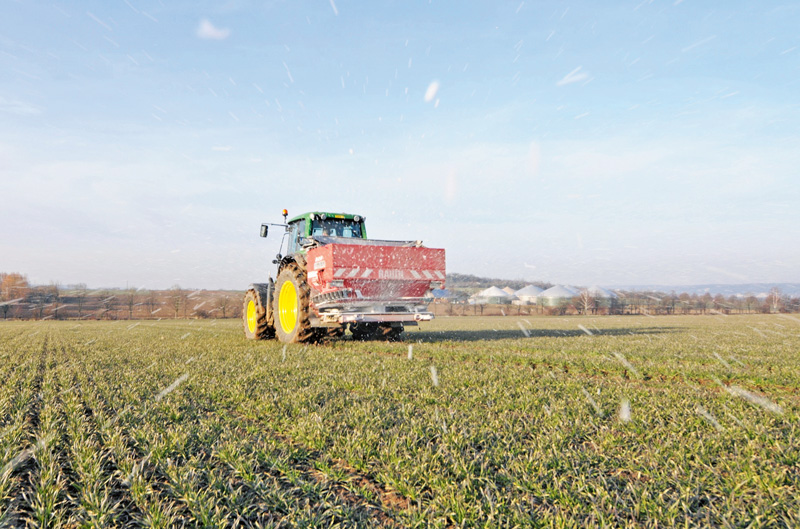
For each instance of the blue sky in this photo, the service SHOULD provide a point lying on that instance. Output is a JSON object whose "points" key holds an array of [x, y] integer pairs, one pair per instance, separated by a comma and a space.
{"points": [[143, 142]]}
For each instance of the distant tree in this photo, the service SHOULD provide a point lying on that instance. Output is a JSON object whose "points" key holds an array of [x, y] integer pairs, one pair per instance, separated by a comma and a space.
{"points": [[719, 303], [38, 298], [130, 300], [775, 299], [222, 304], [793, 304], [615, 305], [684, 300], [151, 301], [14, 287], [669, 302], [705, 302], [177, 298], [736, 303], [586, 301], [109, 305], [54, 296], [751, 302], [80, 297]]}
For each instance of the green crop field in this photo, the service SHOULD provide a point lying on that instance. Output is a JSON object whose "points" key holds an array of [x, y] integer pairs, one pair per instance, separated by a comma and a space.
{"points": [[494, 422]]}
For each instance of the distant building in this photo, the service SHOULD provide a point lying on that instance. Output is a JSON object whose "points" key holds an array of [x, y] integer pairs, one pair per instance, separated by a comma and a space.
{"points": [[555, 296], [492, 295], [528, 295], [601, 293]]}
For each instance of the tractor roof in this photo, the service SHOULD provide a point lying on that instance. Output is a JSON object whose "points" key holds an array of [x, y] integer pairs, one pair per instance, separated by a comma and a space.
{"points": [[346, 216]]}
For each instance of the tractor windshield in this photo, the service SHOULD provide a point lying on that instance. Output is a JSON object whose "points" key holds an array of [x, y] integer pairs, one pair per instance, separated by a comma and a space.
{"points": [[336, 228]]}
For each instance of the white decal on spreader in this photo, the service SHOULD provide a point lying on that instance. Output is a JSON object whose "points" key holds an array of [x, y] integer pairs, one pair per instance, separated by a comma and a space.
{"points": [[439, 274], [340, 272], [319, 262], [366, 273], [427, 274], [353, 272], [391, 274], [415, 274]]}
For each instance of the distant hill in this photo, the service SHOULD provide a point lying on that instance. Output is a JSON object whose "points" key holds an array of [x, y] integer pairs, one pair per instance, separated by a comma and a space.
{"points": [[789, 289], [467, 281]]}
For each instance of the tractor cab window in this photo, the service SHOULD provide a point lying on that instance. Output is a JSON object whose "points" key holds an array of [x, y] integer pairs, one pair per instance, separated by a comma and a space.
{"points": [[297, 231], [336, 228]]}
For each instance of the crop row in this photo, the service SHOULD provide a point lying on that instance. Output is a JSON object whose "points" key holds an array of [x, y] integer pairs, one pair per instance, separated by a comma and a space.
{"points": [[497, 422]]}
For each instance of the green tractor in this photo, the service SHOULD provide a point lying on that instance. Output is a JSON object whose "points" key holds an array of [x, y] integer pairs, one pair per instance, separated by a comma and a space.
{"points": [[332, 278]]}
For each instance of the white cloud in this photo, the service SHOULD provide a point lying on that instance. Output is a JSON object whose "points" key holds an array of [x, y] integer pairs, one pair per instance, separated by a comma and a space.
{"points": [[19, 108], [207, 30]]}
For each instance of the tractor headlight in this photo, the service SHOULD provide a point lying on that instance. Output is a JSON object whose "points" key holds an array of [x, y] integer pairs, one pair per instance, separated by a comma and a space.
{"points": [[357, 218]]}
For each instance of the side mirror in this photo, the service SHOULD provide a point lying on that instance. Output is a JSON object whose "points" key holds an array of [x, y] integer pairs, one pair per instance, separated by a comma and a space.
{"points": [[264, 230]]}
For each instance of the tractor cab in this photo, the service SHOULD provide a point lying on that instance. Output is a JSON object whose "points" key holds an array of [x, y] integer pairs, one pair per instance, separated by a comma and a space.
{"points": [[317, 229]]}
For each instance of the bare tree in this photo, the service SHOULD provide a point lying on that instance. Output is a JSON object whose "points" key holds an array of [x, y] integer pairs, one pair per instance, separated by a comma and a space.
{"points": [[751, 302], [586, 301], [774, 299], [670, 302], [222, 304], [719, 303], [54, 295], [38, 297], [80, 297], [109, 305], [705, 300], [130, 300], [150, 301], [177, 298]]}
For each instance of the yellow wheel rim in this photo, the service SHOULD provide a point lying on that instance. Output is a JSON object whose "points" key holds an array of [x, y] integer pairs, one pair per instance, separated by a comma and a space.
{"points": [[287, 307], [251, 316]]}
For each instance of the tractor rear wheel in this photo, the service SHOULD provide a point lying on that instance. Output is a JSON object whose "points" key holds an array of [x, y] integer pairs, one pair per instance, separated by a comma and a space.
{"points": [[377, 331], [325, 334], [254, 313], [390, 333], [291, 307], [363, 331]]}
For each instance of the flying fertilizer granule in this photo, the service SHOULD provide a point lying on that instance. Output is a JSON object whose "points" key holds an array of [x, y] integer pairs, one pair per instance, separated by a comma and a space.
{"points": [[434, 376], [430, 93], [625, 411], [172, 387]]}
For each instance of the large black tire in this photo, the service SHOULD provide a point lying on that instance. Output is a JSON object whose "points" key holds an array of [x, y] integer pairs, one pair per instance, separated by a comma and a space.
{"points": [[326, 334], [291, 307], [363, 331], [377, 331], [390, 332], [254, 314]]}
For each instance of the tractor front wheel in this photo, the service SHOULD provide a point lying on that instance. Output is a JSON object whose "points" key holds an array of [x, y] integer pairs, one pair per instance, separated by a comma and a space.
{"points": [[291, 304]]}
